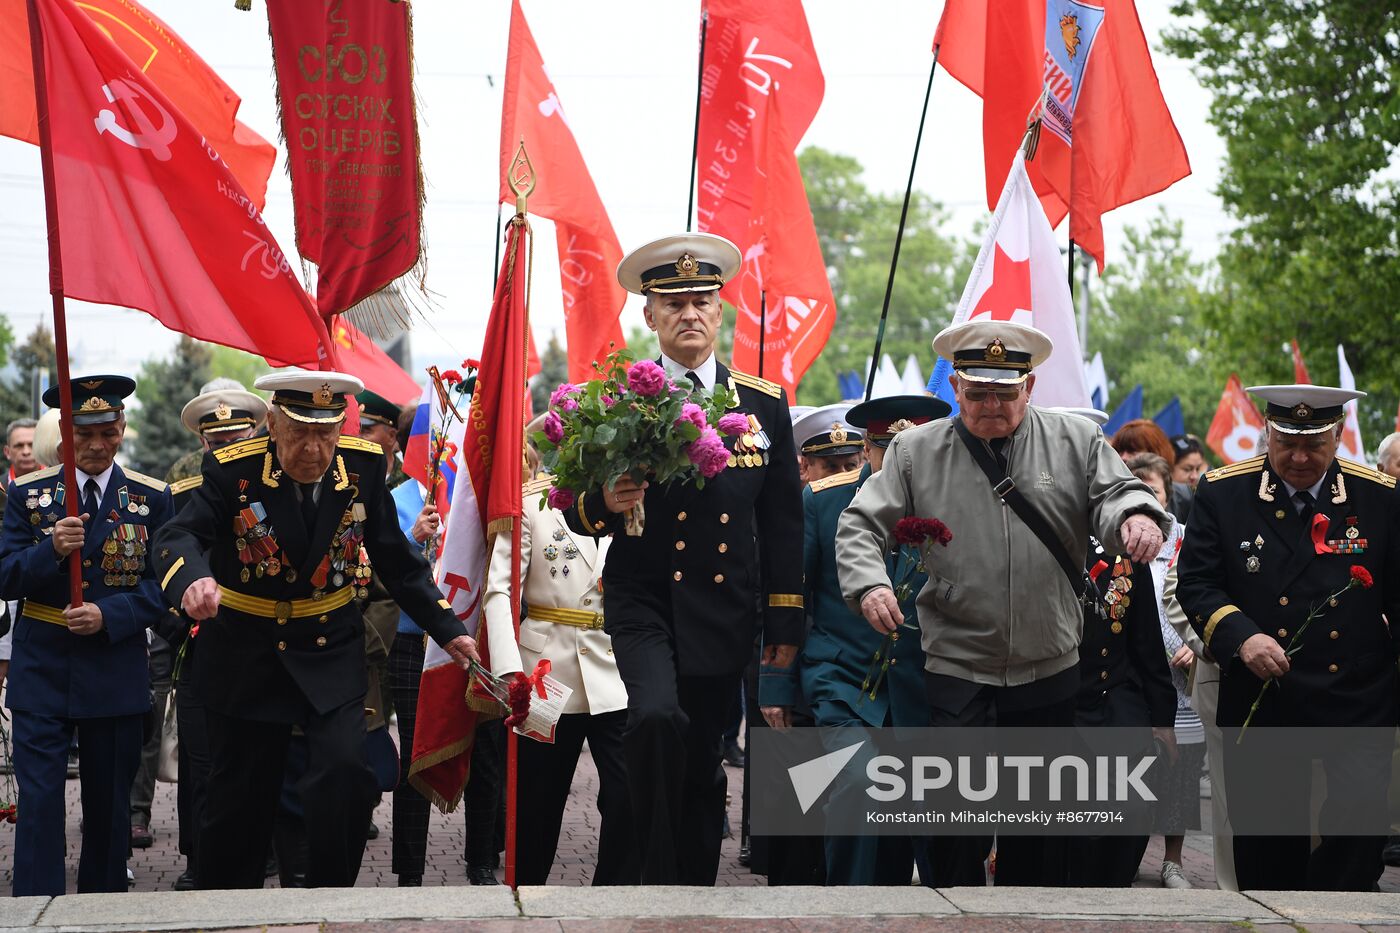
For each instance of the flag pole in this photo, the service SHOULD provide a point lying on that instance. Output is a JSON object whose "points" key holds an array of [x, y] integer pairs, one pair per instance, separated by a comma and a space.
{"points": [[522, 183], [695, 140], [60, 320], [899, 234], [762, 328], [1071, 262], [496, 262]]}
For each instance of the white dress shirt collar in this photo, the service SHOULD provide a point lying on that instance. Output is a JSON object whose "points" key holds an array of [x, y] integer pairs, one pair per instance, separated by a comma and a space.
{"points": [[102, 479], [1314, 489], [707, 371]]}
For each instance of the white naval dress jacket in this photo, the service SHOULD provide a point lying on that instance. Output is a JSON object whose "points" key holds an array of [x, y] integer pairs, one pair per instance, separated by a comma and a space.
{"points": [[581, 658]]}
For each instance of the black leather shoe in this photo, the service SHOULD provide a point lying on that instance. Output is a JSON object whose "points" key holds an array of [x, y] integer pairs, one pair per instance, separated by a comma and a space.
{"points": [[480, 874], [186, 881], [410, 881], [734, 755], [373, 831], [1391, 853]]}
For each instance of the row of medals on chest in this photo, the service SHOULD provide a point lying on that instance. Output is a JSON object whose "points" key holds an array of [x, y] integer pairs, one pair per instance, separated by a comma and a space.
{"points": [[751, 447], [124, 551], [261, 556]]}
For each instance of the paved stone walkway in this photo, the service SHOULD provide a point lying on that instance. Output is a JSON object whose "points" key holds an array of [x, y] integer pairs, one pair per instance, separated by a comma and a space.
{"points": [[156, 868]]}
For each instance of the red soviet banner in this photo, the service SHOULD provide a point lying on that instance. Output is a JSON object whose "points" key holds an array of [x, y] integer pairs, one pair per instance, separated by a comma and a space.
{"points": [[565, 193], [756, 50], [345, 88]]}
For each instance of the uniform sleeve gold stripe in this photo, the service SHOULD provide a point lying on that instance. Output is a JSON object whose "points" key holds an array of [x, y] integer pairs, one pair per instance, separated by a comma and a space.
{"points": [[169, 574], [785, 600], [185, 485], [1214, 620], [350, 442]]}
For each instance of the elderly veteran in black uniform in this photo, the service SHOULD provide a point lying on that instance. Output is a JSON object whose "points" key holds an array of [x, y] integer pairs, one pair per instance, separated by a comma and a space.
{"points": [[81, 668], [266, 556], [1001, 615], [222, 413], [684, 601], [828, 442], [1270, 539]]}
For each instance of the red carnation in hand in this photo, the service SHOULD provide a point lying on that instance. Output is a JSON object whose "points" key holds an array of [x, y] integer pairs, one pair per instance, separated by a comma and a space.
{"points": [[916, 531], [519, 701], [1361, 577], [452, 377]]}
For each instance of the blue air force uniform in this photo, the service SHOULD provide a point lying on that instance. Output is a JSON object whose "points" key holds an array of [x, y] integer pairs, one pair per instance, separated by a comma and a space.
{"points": [[97, 685], [1259, 555]]}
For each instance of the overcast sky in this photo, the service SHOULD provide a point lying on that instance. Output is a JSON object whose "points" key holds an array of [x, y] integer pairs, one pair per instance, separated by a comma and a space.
{"points": [[625, 72]]}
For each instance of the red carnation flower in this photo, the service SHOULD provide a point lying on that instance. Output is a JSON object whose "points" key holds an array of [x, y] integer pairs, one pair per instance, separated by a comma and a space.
{"points": [[452, 377], [519, 701], [471, 364], [1362, 577], [916, 531]]}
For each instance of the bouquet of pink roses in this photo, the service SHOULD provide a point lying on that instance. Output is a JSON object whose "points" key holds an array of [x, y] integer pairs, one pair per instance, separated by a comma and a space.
{"points": [[633, 421]]}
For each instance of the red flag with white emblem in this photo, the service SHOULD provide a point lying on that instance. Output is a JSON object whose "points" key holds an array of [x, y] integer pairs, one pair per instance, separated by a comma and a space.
{"points": [[1018, 277], [750, 189], [588, 248], [152, 217], [1234, 431]]}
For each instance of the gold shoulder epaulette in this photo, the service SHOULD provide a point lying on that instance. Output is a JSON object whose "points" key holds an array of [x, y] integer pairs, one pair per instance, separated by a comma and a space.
{"points": [[1352, 468], [838, 479], [537, 485], [186, 484], [145, 480], [45, 473], [349, 442], [1252, 465], [240, 449], [753, 382]]}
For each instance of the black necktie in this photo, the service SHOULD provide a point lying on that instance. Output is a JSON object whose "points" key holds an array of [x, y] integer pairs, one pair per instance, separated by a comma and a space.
{"points": [[90, 498], [694, 379], [308, 506], [1304, 499]]}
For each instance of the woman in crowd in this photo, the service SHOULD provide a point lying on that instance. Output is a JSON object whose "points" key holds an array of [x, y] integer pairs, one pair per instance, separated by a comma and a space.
{"points": [[1190, 460], [1180, 807], [1145, 437]]}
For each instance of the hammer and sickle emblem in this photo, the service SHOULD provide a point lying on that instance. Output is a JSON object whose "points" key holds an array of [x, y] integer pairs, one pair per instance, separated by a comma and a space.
{"points": [[148, 136]]}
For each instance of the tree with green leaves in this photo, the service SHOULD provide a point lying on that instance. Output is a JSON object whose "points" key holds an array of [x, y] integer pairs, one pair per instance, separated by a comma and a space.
{"points": [[856, 228], [35, 361], [163, 388], [554, 369], [1150, 320], [1307, 98]]}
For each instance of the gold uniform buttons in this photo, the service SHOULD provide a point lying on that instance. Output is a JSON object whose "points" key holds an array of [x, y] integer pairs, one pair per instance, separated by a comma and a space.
{"points": [[87, 563], [587, 601], [1283, 633], [583, 650], [719, 578], [1332, 668], [680, 516], [282, 621], [324, 619], [1103, 652], [724, 518], [1283, 600], [1103, 675], [281, 646], [676, 576], [85, 584], [1335, 634], [680, 545], [320, 641], [723, 548], [609, 651]]}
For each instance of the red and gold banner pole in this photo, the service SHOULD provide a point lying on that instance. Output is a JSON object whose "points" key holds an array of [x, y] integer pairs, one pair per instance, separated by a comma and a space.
{"points": [[522, 181], [60, 322]]}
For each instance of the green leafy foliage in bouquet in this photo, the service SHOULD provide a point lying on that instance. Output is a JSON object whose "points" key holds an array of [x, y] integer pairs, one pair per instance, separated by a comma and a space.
{"points": [[636, 421]]}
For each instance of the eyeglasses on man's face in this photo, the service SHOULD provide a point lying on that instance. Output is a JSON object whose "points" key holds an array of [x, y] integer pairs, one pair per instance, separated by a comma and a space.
{"points": [[981, 393]]}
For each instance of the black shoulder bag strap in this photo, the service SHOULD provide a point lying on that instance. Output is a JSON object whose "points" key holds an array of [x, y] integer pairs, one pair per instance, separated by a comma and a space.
{"points": [[1006, 490]]}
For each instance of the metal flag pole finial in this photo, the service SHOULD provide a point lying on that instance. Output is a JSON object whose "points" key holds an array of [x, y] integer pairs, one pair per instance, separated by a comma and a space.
{"points": [[521, 177]]}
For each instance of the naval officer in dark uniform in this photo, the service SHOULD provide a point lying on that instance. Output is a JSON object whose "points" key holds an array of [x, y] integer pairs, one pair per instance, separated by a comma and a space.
{"points": [[266, 556], [1271, 539], [221, 414], [684, 601], [81, 669]]}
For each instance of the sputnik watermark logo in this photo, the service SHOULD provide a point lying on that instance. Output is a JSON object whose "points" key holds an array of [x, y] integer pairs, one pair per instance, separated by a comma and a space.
{"points": [[811, 778]]}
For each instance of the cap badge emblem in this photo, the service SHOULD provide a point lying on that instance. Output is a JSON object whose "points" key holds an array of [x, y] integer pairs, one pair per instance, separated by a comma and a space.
{"points": [[92, 385], [838, 433], [222, 412], [94, 404], [996, 349], [1302, 412], [903, 424], [323, 395], [687, 265]]}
